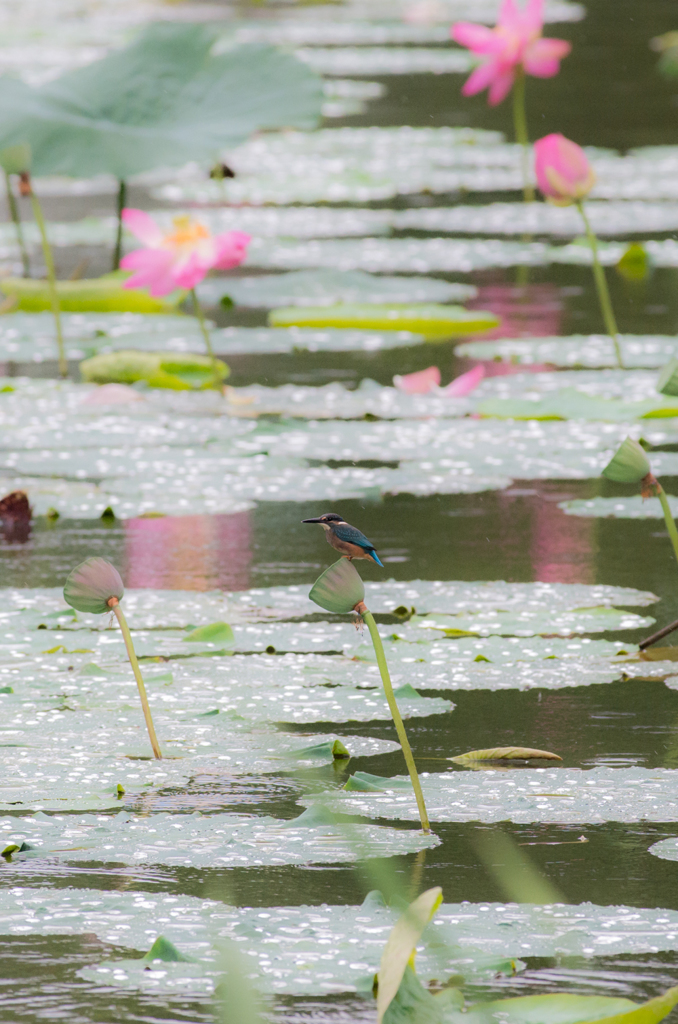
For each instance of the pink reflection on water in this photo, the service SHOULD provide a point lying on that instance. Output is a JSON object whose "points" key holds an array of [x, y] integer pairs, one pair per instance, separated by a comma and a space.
{"points": [[526, 311], [189, 552], [562, 548]]}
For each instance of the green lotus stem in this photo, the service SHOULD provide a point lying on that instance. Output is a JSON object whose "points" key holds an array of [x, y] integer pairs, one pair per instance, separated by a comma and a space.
{"points": [[668, 519], [51, 280], [122, 202], [397, 720], [520, 127], [16, 218], [131, 654], [206, 334], [601, 287]]}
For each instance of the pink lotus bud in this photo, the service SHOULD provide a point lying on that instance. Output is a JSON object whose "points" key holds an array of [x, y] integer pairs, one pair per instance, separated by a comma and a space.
{"points": [[419, 383], [466, 383], [564, 174]]}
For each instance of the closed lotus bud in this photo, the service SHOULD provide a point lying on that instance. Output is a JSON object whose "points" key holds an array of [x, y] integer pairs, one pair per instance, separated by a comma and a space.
{"points": [[340, 589], [629, 464], [668, 379], [563, 172], [94, 586]]}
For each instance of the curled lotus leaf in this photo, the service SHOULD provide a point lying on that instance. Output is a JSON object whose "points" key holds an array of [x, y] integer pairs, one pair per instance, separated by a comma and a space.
{"points": [[172, 370], [506, 754], [339, 589], [433, 321], [92, 584], [629, 464]]}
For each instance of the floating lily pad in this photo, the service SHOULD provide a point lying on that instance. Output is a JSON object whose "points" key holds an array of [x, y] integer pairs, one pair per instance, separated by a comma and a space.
{"points": [[314, 950], [632, 507], [592, 350], [102, 294], [327, 287], [397, 255], [607, 218], [570, 403], [666, 849], [434, 322], [564, 795], [383, 60], [197, 841]]}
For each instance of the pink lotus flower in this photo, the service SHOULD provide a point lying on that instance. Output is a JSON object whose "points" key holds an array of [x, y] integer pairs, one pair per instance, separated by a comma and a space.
{"points": [[515, 41], [180, 258], [466, 383], [564, 174], [419, 383]]}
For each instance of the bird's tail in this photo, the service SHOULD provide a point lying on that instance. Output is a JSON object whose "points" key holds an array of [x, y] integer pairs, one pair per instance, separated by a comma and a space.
{"points": [[375, 557]]}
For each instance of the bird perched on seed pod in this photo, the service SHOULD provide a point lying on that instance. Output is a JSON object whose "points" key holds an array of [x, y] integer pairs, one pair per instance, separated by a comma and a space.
{"points": [[346, 539]]}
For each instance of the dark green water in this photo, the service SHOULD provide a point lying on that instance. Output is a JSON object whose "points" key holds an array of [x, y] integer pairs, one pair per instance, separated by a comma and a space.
{"points": [[607, 94]]}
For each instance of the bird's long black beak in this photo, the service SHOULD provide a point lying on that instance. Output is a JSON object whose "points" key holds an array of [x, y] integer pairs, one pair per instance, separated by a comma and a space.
{"points": [[310, 520]]}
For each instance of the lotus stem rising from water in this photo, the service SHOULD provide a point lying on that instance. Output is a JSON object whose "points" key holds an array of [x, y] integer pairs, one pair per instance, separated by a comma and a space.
{"points": [[341, 590], [95, 586]]}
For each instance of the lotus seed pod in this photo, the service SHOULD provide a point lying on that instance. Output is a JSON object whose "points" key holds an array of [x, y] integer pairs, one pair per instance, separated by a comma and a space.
{"points": [[92, 584], [629, 464], [339, 589], [668, 379]]}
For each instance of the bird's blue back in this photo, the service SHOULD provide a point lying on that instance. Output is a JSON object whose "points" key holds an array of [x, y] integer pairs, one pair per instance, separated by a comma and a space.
{"points": [[352, 536]]}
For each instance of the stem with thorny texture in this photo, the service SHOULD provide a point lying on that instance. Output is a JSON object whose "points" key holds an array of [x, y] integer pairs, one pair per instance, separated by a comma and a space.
{"points": [[601, 287], [51, 280], [395, 714], [131, 654], [122, 200], [520, 127], [668, 519], [16, 218]]}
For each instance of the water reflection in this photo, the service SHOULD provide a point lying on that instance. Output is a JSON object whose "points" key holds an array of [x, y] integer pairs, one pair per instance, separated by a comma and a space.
{"points": [[188, 552], [529, 310]]}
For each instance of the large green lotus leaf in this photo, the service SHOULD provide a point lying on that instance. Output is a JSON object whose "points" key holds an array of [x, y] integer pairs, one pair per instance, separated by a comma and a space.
{"points": [[104, 294], [177, 609], [667, 849], [564, 795], [565, 1008], [327, 287], [528, 622], [282, 222], [397, 255], [224, 690], [334, 401], [434, 322], [593, 350], [175, 371], [115, 117], [197, 841], [627, 385], [570, 404], [386, 60], [632, 507], [660, 253], [41, 778], [359, 165], [607, 218], [445, 449], [319, 950]]}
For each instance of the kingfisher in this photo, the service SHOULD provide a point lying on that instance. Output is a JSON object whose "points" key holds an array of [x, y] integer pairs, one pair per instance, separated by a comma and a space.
{"points": [[346, 539]]}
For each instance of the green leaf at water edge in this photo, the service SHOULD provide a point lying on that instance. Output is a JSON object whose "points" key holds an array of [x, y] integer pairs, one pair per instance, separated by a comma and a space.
{"points": [[565, 1008], [163, 949], [506, 753], [433, 321], [216, 633], [170, 370], [339, 589], [401, 944], [668, 379], [99, 294], [162, 101]]}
